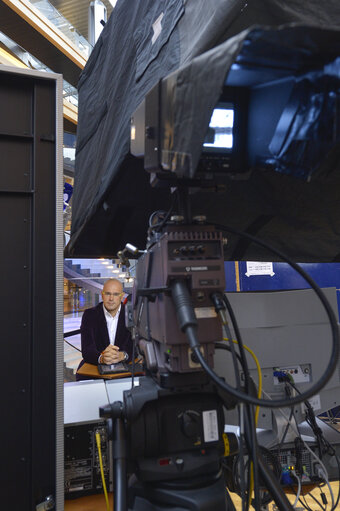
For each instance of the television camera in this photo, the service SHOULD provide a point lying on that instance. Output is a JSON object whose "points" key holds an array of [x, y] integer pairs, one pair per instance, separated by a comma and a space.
{"points": [[169, 431]]}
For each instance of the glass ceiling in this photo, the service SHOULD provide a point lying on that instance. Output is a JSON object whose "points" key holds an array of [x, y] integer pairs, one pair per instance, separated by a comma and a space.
{"points": [[54, 16]]}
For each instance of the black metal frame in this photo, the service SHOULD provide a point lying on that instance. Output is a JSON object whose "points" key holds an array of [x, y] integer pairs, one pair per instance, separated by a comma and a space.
{"points": [[28, 285]]}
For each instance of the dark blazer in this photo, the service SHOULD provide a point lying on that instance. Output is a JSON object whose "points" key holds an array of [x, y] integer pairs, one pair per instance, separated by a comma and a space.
{"points": [[95, 337]]}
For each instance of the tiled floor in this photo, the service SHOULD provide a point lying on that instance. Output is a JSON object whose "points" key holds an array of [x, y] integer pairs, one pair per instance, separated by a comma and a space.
{"points": [[97, 502]]}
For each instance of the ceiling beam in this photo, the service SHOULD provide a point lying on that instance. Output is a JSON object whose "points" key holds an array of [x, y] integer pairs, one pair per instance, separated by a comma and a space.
{"points": [[25, 25], [70, 111]]}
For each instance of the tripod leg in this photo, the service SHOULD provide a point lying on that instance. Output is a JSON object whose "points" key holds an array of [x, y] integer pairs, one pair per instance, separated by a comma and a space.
{"points": [[230, 503], [119, 456], [273, 486]]}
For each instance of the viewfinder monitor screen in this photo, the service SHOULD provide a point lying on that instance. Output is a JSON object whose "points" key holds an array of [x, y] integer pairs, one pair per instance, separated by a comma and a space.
{"points": [[220, 132]]}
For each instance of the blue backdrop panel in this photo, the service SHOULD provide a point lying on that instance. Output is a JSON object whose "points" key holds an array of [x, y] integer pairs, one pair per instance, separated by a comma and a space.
{"points": [[284, 277]]}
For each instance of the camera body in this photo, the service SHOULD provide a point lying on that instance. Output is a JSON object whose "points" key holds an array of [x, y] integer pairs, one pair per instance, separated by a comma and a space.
{"points": [[193, 253]]}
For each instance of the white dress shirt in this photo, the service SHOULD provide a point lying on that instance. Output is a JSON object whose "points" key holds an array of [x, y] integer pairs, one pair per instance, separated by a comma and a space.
{"points": [[112, 323]]}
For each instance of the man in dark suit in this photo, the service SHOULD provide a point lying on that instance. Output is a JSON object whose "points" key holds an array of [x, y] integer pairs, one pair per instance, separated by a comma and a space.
{"points": [[104, 336]]}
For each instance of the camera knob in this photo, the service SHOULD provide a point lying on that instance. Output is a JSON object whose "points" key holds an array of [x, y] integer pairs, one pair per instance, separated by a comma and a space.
{"points": [[190, 425]]}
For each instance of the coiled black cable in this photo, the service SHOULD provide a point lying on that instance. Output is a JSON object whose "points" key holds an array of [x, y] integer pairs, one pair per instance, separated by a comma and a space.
{"points": [[314, 389]]}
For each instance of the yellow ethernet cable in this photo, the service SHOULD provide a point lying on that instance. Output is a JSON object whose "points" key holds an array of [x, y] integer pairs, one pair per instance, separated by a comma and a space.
{"points": [[102, 470]]}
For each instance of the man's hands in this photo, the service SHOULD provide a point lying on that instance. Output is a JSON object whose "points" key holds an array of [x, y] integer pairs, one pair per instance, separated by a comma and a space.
{"points": [[112, 355]]}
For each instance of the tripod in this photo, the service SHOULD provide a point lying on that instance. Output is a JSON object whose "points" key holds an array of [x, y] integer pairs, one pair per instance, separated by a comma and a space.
{"points": [[169, 430], [172, 439]]}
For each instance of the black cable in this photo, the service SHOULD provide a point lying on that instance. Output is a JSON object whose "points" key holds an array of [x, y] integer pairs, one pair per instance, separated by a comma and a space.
{"points": [[186, 316], [244, 477], [236, 475], [300, 437], [334, 508], [273, 485], [324, 447], [188, 324], [250, 428], [305, 505], [159, 226], [221, 303], [145, 299], [133, 364], [71, 333], [323, 497], [230, 503], [288, 425], [277, 469], [223, 346], [311, 421], [253, 448], [119, 450], [236, 357], [153, 227], [242, 481], [316, 500], [241, 396], [243, 492], [299, 446], [334, 328], [286, 429], [281, 403], [338, 463], [239, 341], [241, 468], [338, 497], [72, 345]]}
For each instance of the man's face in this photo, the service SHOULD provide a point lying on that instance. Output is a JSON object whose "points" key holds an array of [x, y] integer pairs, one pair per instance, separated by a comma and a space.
{"points": [[112, 295]]}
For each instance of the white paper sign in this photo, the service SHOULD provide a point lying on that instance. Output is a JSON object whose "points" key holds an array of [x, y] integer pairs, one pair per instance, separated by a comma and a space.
{"points": [[210, 426], [259, 268], [157, 28]]}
